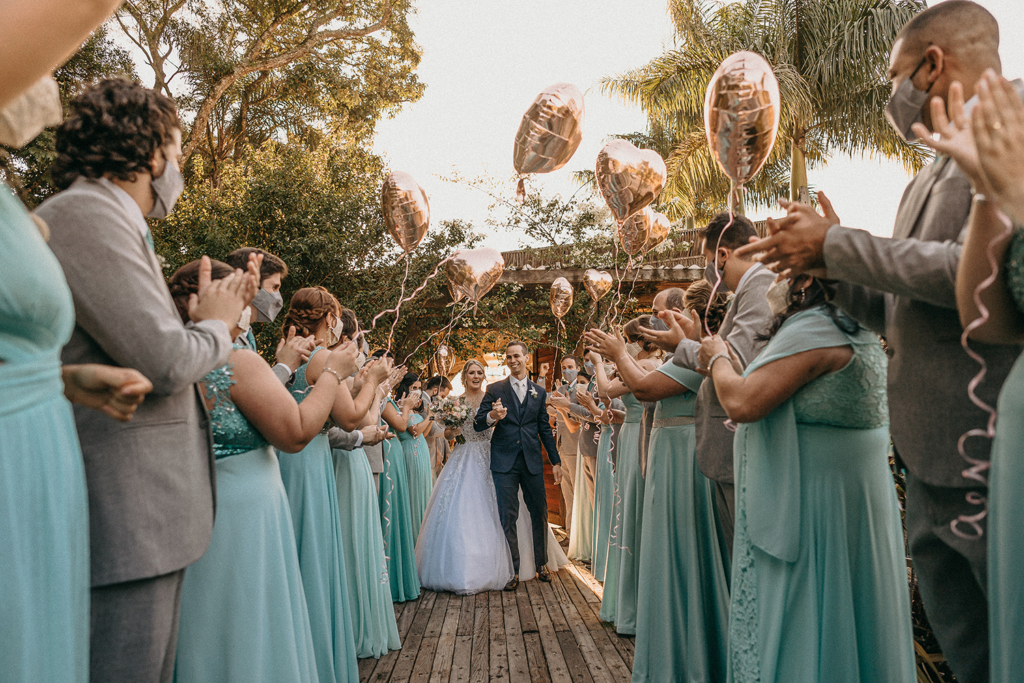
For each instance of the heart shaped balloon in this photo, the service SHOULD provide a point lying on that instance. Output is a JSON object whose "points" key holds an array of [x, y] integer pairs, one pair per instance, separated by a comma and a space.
{"points": [[551, 130], [472, 272], [629, 178], [406, 211], [597, 283], [741, 114], [561, 297], [659, 232], [636, 230]]}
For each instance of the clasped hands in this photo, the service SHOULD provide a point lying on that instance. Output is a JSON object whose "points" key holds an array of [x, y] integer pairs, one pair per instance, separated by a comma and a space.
{"points": [[712, 346], [115, 392]]}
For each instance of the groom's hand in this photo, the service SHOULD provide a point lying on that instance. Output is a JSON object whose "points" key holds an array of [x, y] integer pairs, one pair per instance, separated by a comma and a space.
{"points": [[556, 472], [498, 411]]}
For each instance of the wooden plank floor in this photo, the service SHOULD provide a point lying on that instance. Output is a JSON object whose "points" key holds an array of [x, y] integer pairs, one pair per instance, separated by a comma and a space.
{"points": [[541, 632]]}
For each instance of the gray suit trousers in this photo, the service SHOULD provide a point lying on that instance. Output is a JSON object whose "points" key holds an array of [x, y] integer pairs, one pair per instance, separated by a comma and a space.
{"points": [[725, 497], [568, 485], [134, 630]]}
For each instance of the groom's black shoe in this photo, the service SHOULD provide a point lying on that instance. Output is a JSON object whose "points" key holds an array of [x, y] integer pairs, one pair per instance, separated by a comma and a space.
{"points": [[543, 574], [513, 583]]}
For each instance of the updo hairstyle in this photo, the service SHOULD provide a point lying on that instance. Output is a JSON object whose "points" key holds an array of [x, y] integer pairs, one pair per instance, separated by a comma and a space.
{"points": [[308, 308], [185, 282]]}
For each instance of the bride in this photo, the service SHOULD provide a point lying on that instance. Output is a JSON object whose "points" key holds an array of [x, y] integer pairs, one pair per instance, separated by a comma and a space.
{"points": [[462, 547]]}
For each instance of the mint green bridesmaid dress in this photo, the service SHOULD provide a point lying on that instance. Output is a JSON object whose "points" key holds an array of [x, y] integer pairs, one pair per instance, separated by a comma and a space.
{"points": [[683, 597], [396, 522], [369, 588], [604, 495], [417, 468], [1006, 507], [618, 603], [313, 495], [581, 538], [819, 576], [243, 609], [44, 513]]}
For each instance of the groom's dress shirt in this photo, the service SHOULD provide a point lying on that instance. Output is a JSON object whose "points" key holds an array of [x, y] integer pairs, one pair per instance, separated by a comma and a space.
{"points": [[519, 386]]}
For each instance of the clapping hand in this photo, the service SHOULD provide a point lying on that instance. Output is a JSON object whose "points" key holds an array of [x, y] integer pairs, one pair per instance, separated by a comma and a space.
{"points": [[609, 346], [711, 347], [221, 299], [498, 411], [342, 360], [680, 327], [998, 123], [293, 350], [115, 392], [373, 435], [796, 243], [559, 401], [409, 401]]}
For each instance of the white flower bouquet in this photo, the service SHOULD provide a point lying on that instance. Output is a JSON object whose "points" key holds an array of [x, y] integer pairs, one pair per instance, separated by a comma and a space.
{"points": [[453, 411]]}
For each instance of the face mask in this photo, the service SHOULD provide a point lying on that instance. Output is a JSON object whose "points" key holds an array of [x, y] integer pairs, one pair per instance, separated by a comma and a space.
{"points": [[360, 362], [658, 324], [569, 376], [778, 297], [166, 190], [268, 305], [588, 367], [633, 349], [903, 109], [711, 276], [245, 320], [334, 332], [35, 109]]}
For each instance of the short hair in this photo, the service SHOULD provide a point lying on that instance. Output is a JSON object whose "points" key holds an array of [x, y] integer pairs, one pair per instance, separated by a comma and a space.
{"points": [[951, 22], [382, 353], [573, 358], [405, 386], [438, 382], [115, 126], [185, 282], [739, 233], [520, 344], [349, 323], [271, 265], [673, 298]]}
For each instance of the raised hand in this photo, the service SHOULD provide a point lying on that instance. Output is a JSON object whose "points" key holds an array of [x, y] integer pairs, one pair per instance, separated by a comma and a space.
{"points": [[222, 299], [342, 360], [409, 401], [116, 392], [609, 346], [380, 370], [998, 125], [293, 350], [796, 243], [956, 136], [680, 327], [498, 411]]}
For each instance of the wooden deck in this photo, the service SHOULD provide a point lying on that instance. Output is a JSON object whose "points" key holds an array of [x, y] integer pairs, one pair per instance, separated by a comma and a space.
{"points": [[540, 632]]}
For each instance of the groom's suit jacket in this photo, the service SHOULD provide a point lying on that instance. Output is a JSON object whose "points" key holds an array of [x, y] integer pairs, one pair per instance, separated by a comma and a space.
{"points": [[524, 428]]}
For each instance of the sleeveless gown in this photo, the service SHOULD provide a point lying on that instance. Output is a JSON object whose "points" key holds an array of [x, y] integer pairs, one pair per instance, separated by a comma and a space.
{"points": [[620, 590], [683, 599], [462, 547], [44, 523], [1006, 513], [418, 470], [369, 588], [396, 522], [819, 582], [604, 494], [308, 478], [243, 608]]}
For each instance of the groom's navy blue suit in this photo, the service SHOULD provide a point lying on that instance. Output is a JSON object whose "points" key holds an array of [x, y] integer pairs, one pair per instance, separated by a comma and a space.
{"points": [[516, 460]]}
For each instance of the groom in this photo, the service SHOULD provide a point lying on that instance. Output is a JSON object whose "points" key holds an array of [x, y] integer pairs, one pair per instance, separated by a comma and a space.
{"points": [[517, 408]]}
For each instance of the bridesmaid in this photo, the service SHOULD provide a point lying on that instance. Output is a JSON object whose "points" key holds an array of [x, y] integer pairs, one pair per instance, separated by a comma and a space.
{"points": [[313, 494], [396, 516], [416, 451], [819, 582], [604, 485], [252, 625], [369, 589]]}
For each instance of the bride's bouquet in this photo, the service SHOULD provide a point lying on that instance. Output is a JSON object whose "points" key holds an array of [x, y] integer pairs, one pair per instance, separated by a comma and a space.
{"points": [[453, 411]]}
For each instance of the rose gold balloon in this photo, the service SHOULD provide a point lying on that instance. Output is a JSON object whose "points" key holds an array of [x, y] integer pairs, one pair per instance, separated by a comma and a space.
{"points": [[629, 178], [445, 360], [472, 272], [551, 130], [561, 297], [406, 211], [741, 114], [597, 283], [635, 231], [659, 232]]}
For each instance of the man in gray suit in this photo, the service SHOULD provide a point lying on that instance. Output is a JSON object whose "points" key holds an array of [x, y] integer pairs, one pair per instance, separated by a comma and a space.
{"points": [[749, 316], [903, 289], [150, 481], [566, 432]]}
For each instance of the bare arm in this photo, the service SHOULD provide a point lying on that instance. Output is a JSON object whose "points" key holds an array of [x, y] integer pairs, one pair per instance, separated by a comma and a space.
{"points": [[398, 421]]}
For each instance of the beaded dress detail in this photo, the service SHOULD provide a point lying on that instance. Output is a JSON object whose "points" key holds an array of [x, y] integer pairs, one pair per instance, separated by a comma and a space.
{"points": [[233, 434]]}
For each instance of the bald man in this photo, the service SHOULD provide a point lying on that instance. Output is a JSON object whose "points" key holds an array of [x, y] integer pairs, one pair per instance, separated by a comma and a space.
{"points": [[903, 289]]}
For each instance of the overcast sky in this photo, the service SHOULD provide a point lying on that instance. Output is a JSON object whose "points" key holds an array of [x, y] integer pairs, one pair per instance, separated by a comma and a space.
{"points": [[484, 62]]}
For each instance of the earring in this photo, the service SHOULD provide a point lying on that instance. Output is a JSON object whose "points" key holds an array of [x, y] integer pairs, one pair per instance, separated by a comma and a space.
{"points": [[801, 296]]}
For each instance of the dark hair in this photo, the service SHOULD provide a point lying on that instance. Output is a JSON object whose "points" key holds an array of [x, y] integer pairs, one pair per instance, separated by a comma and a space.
{"points": [[307, 309], [574, 359], [520, 344], [382, 353], [739, 233], [349, 323], [696, 299], [271, 265], [115, 127], [438, 382], [631, 331], [405, 385], [185, 281], [818, 293], [674, 297]]}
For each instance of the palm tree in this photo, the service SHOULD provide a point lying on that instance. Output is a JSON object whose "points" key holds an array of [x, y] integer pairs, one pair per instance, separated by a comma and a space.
{"points": [[831, 60]]}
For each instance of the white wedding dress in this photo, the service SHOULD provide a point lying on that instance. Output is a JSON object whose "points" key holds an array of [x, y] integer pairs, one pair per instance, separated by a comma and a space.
{"points": [[461, 546]]}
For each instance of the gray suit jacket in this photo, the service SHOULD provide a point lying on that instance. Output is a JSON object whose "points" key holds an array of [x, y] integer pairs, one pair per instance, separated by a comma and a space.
{"points": [[343, 440], [151, 480], [748, 316], [904, 289], [568, 442]]}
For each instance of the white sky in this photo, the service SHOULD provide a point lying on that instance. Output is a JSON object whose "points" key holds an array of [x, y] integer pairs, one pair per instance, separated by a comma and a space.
{"points": [[484, 62]]}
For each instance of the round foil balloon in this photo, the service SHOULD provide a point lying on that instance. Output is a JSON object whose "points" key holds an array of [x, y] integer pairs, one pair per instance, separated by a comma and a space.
{"points": [[741, 114], [551, 130], [659, 231], [561, 297], [472, 272], [597, 283], [635, 231], [406, 211], [445, 360], [629, 178]]}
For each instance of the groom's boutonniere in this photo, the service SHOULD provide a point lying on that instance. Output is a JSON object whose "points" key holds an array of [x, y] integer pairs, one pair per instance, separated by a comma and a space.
{"points": [[533, 392]]}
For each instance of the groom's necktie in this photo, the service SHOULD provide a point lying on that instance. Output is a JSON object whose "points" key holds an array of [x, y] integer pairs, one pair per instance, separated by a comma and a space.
{"points": [[520, 389]]}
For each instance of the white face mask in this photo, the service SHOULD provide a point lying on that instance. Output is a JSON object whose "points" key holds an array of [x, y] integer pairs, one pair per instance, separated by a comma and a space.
{"points": [[778, 297], [633, 349], [35, 109], [245, 320], [334, 332]]}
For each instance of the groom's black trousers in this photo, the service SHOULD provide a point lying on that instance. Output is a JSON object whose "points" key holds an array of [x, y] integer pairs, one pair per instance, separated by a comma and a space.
{"points": [[507, 485]]}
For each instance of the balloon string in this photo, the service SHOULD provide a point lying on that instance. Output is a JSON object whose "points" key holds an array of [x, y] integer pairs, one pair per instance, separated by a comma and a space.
{"points": [[733, 191], [387, 498], [616, 499], [401, 295], [977, 467], [446, 329]]}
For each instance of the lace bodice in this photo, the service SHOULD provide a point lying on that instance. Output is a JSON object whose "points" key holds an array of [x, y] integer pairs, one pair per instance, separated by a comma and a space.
{"points": [[469, 432], [233, 434], [854, 397]]}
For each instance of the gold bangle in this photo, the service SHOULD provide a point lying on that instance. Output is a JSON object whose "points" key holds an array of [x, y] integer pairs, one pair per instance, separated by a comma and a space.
{"points": [[333, 372]]}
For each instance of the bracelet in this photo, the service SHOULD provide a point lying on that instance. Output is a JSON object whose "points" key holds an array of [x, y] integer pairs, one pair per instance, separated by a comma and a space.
{"points": [[715, 357], [333, 372]]}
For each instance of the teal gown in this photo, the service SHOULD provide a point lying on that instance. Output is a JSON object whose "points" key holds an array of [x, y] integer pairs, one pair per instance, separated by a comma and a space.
{"points": [[418, 471], [819, 576], [396, 522], [44, 513], [1006, 510], [618, 603], [313, 496], [683, 599], [369, 589], [604, 495], [581, 536], [243, 608]]}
